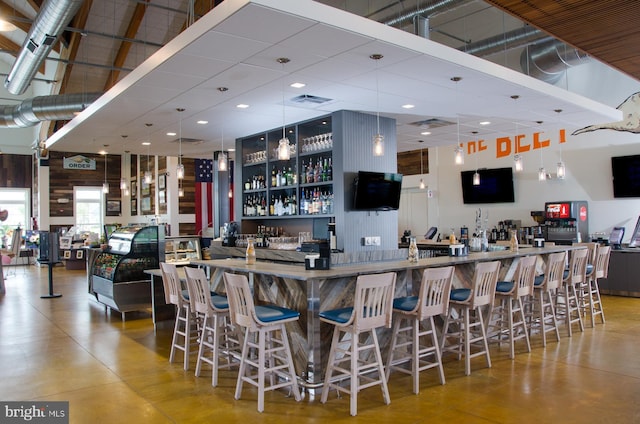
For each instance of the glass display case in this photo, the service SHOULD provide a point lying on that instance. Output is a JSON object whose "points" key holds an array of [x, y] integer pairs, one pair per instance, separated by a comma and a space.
{"points": [[181, 250], [117, 274]]}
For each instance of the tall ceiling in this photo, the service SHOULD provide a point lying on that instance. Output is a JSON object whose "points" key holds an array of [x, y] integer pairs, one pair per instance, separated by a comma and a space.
{"points": [[108, 39]]}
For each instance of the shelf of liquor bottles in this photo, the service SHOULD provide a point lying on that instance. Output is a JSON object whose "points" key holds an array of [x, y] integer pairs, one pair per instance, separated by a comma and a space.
{"points": [[298, 187]]}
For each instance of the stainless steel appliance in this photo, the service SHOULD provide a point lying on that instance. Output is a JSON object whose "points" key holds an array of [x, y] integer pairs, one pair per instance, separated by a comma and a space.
{"points": [[566, 222]]}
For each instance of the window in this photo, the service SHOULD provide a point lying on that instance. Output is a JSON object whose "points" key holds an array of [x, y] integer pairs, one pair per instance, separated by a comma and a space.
{"points": [[89, 209], [16, 201]]}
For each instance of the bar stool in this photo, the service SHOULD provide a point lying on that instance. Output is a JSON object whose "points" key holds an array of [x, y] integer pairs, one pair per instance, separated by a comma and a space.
{"points": [[542, 311], [216, 334], [509, 315], [409, 313], [465, 311], [373, 306], [185, 328], [591, 291], [273, 356], [567, 300]]}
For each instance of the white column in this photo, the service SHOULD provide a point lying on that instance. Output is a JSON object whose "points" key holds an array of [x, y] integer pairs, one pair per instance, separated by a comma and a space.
{"points": [[173, 212], [43, 196]]}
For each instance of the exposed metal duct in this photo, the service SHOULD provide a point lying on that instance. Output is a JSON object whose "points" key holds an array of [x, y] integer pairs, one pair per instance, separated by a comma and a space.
{"points": [[548, 60], [48, 25], [45, 108], [513, 39], [429, 10]]}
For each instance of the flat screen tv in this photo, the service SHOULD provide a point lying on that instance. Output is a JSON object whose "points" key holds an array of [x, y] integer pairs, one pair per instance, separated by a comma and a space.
{"points": [[626, 176], [496, 186], [377, 191]]}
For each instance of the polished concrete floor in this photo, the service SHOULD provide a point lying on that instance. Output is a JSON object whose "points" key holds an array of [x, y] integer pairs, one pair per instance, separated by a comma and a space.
{"points": [[71, 349]]}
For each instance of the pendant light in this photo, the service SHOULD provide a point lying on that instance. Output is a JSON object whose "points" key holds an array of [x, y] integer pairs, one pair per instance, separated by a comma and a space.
{"points": [[222, 157], [147, 174], [459, 150], [422, 184], [476, 175], [180, 167], [378, 139], [105, 184], [542, 173], [284, 152], [560, 168], [517, 157]]}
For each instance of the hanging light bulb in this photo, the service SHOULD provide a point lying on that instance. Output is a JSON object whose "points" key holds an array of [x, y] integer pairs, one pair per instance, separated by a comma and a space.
{"points": [[476, 178], [222, 157], [180, 167], [284, 152], [148, 177], [378, 139], [422, 184], [560, 170], [105, 184], [459, 150], [517, 161], [180, 191], [542, 174], [125, 191]]}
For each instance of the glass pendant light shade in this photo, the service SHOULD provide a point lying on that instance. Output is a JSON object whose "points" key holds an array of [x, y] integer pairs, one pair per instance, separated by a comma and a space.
{"points": [[222, 161], [147, 177], [123, 184], [180, 171], [180, 192], [125, 192], [422, 184], [284, 152], [560, 170], [378, 145], [105, 187], [459, 155], [517, 161], [542, 174], [476, 178]]}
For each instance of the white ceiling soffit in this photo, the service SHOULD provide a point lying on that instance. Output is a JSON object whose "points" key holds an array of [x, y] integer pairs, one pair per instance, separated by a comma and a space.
{"points": [[236, 46]]}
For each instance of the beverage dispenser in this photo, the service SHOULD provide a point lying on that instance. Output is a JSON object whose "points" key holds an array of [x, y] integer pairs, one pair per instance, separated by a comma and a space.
{"points": [[566, 222]]}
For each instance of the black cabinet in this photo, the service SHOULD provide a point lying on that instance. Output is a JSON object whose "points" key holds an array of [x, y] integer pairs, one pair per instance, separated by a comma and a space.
{"points": [[624, 266]]}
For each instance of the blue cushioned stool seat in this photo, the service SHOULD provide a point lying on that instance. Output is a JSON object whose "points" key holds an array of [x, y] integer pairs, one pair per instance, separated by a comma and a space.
{"points": [[460, 294], [504, 286], [405, 303], [341, 315], [538, 280], [271, 313], [589, 268], [220, 302]]}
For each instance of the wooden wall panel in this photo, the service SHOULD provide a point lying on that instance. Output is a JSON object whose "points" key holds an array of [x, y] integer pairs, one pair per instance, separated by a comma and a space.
{"points": [[409, 162], [15, 171], [62, 181], [187, 204]]}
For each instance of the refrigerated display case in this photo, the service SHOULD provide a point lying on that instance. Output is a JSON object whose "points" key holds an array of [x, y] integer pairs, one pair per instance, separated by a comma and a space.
{"points": [[181, 250], [117, 275]]}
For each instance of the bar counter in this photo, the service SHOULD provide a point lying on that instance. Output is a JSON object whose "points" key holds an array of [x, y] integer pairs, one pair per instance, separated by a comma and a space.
{"points": [[312, 291]]}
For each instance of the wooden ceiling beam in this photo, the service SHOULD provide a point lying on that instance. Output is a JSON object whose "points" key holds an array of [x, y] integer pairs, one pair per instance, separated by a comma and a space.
{"points": [[125, 46]]}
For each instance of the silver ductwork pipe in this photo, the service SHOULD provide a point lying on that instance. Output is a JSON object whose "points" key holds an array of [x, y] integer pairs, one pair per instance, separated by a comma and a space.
{"points": [[429, 10], [548, 60], [53, 17], [45, 108], [513, 39]]}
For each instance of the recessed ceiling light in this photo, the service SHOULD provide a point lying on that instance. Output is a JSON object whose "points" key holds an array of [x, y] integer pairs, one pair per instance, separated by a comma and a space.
{"points": [[242, 106], [298, 85], [146, 143], [426, 133], [171, 134], [485, 123], [202, 122], [408, 106]]}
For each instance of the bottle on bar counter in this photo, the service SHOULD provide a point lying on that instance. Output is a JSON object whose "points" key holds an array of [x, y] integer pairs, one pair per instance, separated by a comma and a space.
{"points": [[251, 252], [513, 245]]}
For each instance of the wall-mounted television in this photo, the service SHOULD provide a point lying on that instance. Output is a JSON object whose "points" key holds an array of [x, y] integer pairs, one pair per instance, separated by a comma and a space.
{"points": [[496, 186], [377, 191], [626, 176]]}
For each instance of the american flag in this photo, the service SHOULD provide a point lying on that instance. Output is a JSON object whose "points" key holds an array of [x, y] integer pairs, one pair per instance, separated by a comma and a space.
{"points": [[204, 194]]}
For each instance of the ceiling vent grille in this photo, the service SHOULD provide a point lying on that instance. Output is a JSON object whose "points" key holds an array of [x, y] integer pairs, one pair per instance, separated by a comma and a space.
{"points": [[307, 98], [432, 123], [189, 141]]}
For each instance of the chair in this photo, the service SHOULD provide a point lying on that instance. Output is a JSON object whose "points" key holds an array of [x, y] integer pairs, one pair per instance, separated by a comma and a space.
{"points": [[567, 299], [432, 300], [542, 311], [217, 337], [14, 252], [185, 328], [267, 322], [591, 301], [510, 320], [465, 311], [372, 308]]}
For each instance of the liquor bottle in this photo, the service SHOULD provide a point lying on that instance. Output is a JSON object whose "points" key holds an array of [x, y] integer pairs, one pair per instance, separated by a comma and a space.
{"points": [[250, 253], [289, 176], [273, 178], [272, 205], [325, 168], [278, 179], [329, 171], [294, 205], [303, 179]]}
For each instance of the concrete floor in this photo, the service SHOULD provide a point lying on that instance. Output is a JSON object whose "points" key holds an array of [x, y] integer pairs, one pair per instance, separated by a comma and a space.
{"points": [[71, 349]]}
